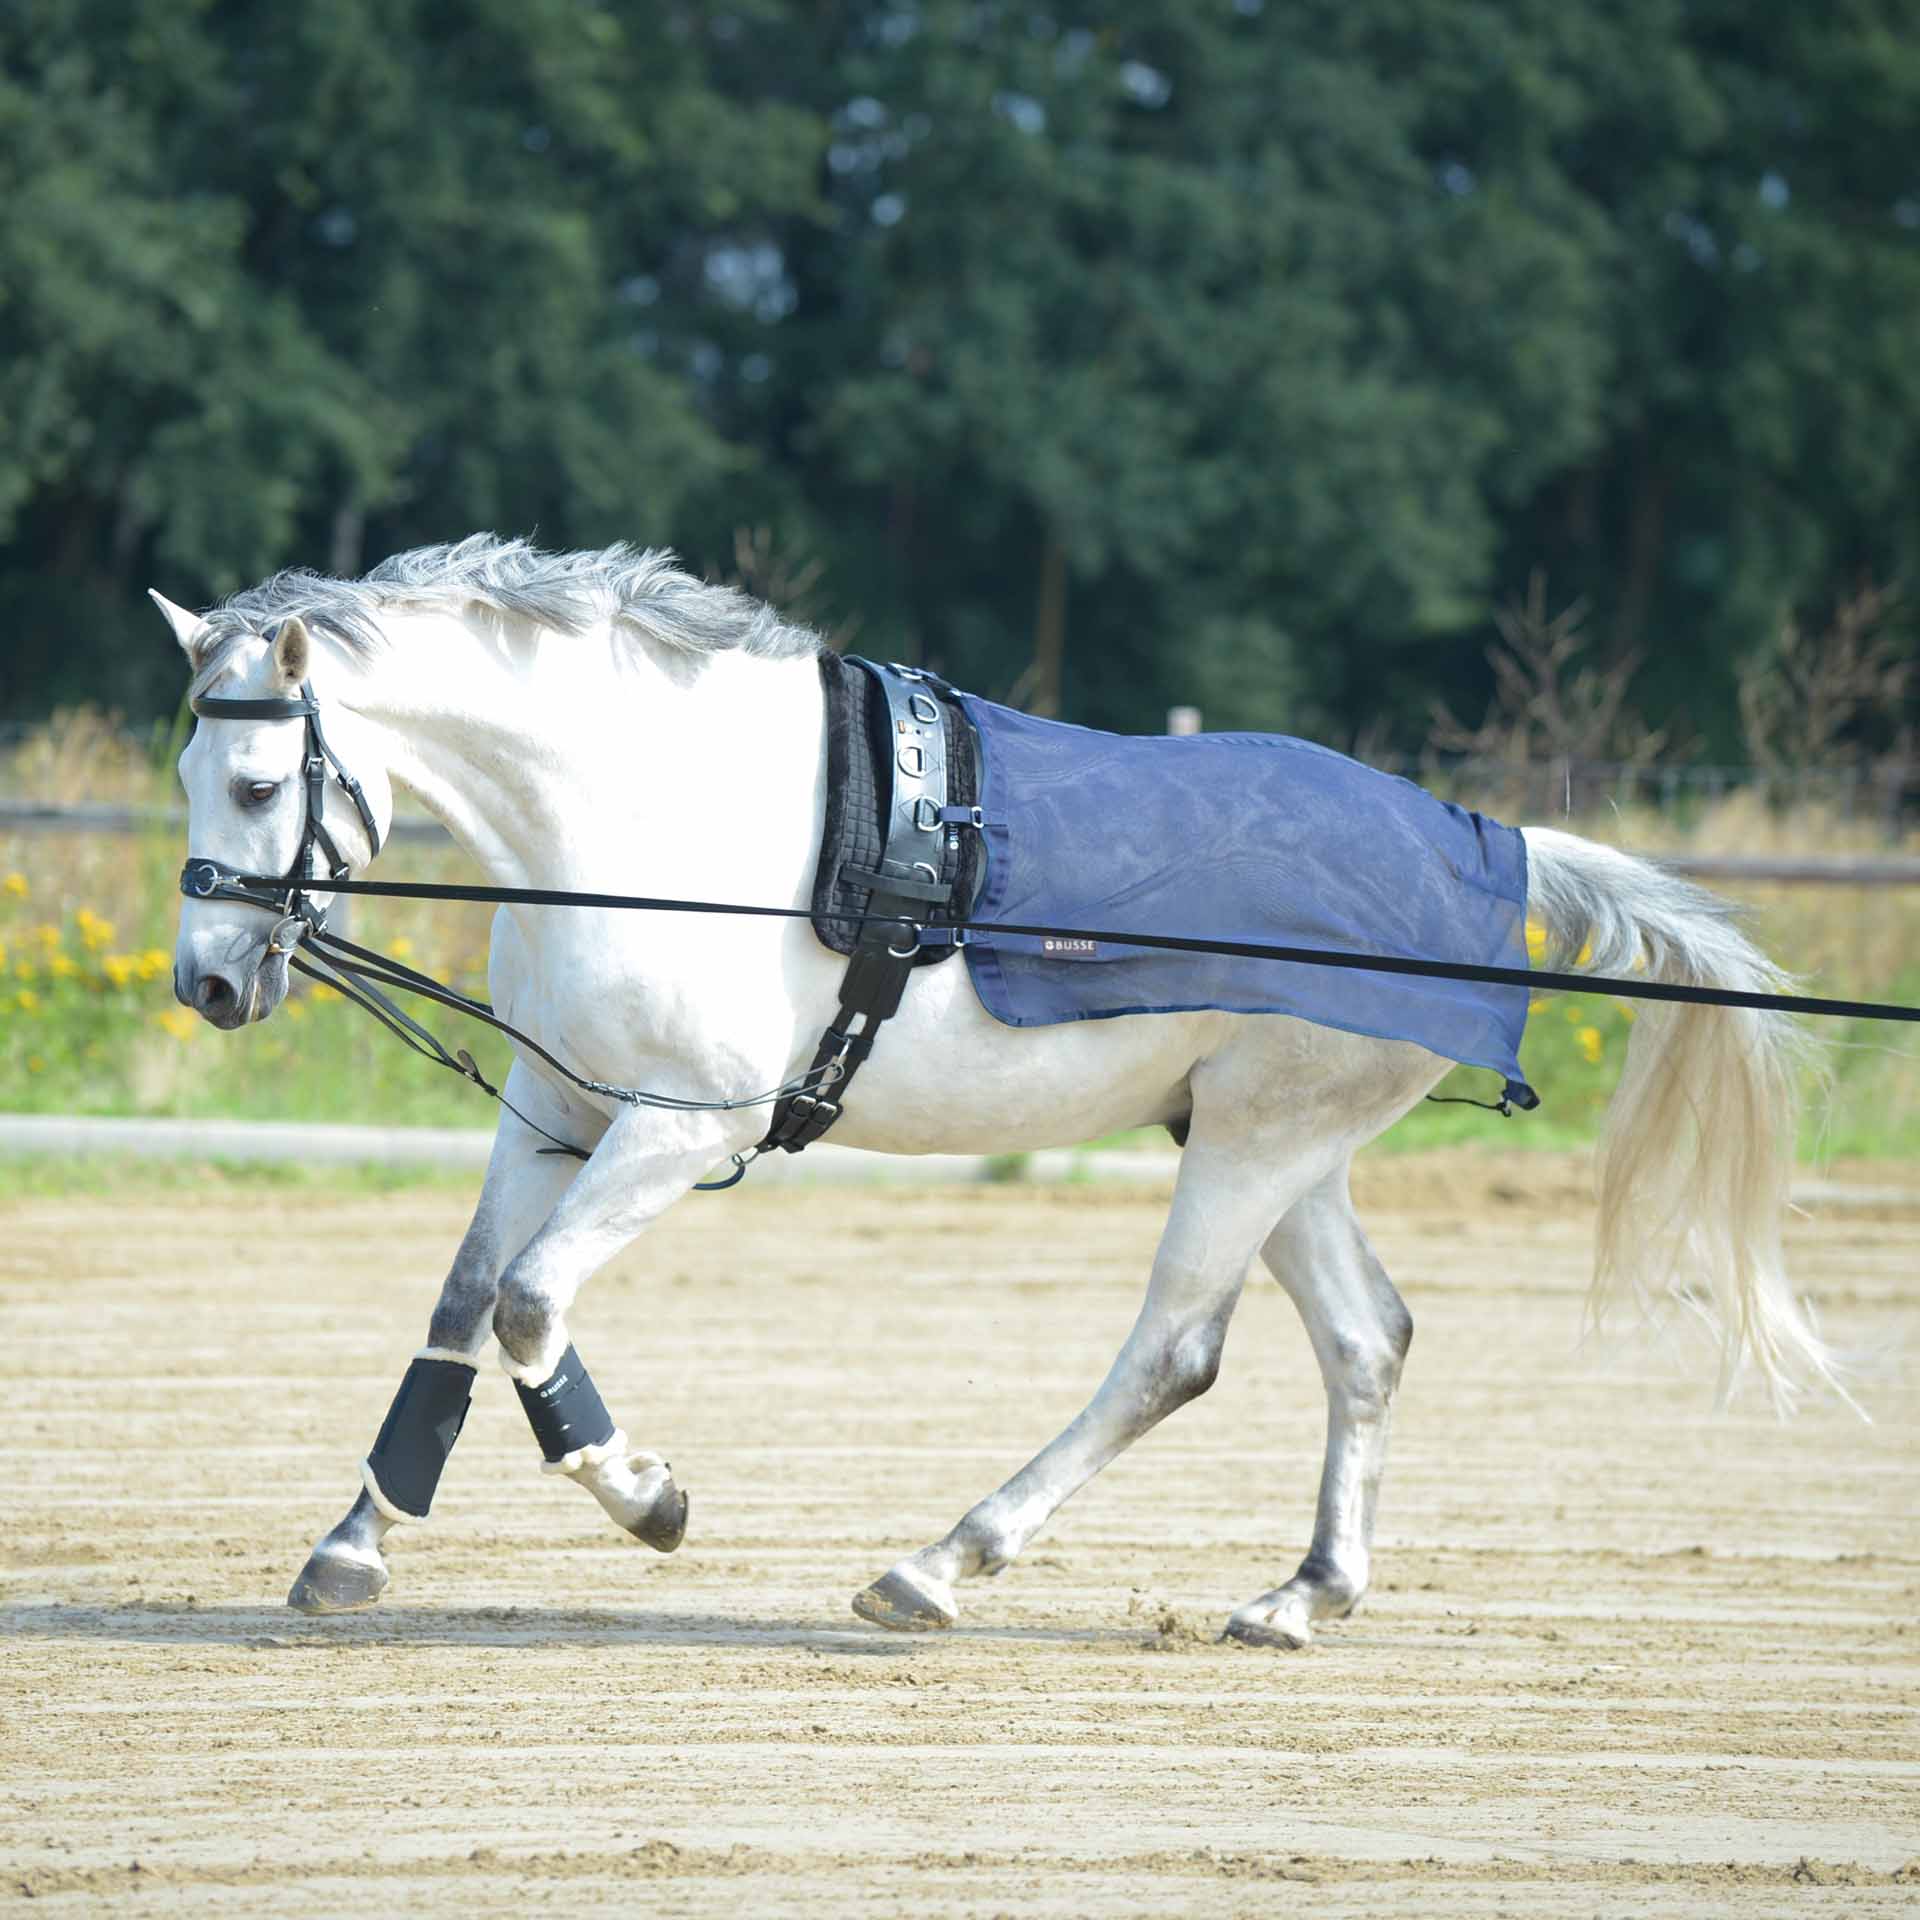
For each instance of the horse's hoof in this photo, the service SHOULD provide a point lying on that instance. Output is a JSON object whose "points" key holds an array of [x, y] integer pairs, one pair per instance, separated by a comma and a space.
{"points": [[1265, 1625], [640, 1498], [908, 1602], [665, 1524], [334, 1581]]}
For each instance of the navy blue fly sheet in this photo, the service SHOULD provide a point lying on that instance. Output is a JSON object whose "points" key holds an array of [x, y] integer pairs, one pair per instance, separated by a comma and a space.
{"points": [[1243, 837]]}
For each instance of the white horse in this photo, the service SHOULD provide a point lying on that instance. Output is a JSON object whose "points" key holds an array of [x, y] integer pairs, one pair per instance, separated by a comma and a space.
{"points": [[604, 721]]}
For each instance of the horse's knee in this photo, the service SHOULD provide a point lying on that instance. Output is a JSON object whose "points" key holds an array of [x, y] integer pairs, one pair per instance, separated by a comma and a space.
{"points": [[1191, 1362], [461, 1314], [1396, 1328], [1399, 1328], [524, 1322]]}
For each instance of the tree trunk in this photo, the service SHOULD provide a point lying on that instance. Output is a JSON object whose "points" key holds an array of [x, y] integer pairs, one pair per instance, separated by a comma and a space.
{"points": [[1646, 535], [349, 530], [1049, 628]]}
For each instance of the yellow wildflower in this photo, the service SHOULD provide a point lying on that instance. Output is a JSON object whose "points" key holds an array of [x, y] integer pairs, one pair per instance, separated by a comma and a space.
{"points": [[24, 970], [47, 934], [1591, 1045], [15, 884], [1536, 940], [1575, 1014], [402, 949], [62, 967], [178, 1021], [27, 1001], [35, 1064], [95, 933], [154, 962], [120, 969], [295, 1011]]}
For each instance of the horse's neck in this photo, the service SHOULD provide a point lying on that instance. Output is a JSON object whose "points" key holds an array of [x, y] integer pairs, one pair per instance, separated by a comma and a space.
{"points": [[598, 760]]}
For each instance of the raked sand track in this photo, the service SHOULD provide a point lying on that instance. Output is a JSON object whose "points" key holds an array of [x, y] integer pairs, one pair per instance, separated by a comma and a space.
{"points": [[1622, 1656]]}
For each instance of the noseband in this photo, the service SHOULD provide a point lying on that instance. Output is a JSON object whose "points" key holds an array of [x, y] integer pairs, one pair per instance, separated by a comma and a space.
{"points": [[285, 894]]}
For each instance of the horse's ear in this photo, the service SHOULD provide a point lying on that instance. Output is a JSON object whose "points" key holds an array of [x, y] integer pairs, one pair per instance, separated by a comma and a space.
{"points": [[188, 628], [292, 650]]}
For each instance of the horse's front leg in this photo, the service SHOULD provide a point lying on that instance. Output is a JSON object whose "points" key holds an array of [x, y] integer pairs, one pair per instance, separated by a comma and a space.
{"points": [[398, 1479], [646, 1162]]}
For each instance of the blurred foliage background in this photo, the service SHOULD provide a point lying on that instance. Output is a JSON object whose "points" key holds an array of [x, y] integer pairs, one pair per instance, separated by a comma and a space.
{"points": [[1245, 353]]}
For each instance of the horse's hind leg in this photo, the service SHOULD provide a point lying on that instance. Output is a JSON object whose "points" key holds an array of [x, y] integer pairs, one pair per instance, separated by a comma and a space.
{"points": [[1360, 1331], [1226, 1202]]}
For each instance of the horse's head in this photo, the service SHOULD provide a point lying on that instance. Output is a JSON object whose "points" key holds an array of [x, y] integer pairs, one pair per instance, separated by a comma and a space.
{"points": [[250, 807]]}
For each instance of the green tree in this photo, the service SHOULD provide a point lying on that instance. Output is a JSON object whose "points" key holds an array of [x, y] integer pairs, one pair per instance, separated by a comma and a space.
{"points": [[1107, 354], [316, 284]]}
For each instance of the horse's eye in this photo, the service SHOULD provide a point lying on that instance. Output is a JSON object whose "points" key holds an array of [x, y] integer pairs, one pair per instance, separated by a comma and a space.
{"points": [[258, 792]]}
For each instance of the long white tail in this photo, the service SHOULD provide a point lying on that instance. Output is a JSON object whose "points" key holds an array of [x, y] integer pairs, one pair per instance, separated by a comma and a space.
{"points": [[1698, 1151]]}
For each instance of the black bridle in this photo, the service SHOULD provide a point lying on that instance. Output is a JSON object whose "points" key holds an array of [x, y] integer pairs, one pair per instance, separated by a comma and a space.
{"points": [[207, 879]]}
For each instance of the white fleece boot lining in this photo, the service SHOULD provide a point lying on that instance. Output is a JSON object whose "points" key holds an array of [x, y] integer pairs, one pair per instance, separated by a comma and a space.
{"points": [[450, 1354], [586, 1459], [526, 1376], [398, 1515]]}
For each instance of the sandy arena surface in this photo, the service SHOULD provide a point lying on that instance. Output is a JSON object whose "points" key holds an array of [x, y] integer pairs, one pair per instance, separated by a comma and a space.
{"points": [[1622, 1656]]}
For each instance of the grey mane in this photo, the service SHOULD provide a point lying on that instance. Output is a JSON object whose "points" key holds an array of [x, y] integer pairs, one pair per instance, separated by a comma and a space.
{"points": [[645, 590]]}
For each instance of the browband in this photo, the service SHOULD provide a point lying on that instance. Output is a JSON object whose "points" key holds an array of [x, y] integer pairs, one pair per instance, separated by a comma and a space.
{"points": [[212, 707]]}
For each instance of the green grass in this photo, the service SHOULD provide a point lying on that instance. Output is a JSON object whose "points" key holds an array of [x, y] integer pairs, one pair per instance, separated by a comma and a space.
{"points": [[88, 1023], [108, 1177]]}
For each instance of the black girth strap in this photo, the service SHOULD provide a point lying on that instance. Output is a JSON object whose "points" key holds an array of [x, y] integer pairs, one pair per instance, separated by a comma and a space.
{"points": [[911, 885]]}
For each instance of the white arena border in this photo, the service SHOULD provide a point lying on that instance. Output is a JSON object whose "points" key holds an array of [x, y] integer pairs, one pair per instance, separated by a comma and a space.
{"points": [[464, 1149]]}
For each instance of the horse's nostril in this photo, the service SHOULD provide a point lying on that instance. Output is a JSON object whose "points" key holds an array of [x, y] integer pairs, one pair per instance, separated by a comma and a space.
{"points": [[213, 993]]}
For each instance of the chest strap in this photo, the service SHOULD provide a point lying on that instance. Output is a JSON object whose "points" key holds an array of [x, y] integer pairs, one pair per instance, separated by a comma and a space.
{"points": [[913, 882]]}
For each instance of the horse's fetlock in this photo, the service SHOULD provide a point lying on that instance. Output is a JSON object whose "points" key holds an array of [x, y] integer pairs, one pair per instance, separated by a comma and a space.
{"points": [[981, 1545], [1339, 1581]]}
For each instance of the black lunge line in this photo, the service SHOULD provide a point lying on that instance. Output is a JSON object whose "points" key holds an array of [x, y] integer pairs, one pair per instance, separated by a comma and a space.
{"points": [[1531, 978]]}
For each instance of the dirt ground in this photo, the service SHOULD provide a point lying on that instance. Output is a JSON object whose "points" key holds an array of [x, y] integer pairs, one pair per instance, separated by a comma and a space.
{"points": [[1622, 1655]]}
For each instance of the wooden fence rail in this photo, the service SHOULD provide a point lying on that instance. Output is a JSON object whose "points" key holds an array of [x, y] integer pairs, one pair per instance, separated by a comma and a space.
{"points": [[1882, 870]]}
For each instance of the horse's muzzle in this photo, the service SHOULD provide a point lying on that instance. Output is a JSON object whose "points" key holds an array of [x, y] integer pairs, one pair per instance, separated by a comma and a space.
{"points": [[233, 996]]}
